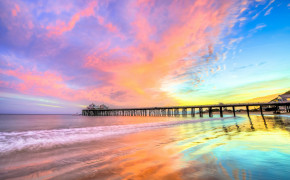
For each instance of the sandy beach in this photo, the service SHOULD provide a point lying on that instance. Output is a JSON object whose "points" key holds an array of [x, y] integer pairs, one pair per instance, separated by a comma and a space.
{"points": [[78, 147]]}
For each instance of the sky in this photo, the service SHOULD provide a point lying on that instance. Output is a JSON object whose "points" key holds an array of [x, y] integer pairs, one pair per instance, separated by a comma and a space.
{"points": [[60, 56]]}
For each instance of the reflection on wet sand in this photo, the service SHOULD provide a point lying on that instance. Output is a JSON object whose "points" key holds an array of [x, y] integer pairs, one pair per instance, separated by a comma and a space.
{"points": [[237, 148]]}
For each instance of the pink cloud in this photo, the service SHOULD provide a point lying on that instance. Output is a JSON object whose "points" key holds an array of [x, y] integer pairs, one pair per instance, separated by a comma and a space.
{"points": [[38, 83], [16, 10], [52, 84], [153, 41], [62, 27], [151, 61]]}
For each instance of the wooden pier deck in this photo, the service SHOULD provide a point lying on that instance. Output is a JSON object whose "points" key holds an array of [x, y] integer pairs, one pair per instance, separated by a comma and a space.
{"points": [[183, 110]]}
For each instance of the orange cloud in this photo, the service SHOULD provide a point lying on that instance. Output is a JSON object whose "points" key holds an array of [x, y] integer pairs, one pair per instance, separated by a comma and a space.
{"points": [[151, 61], [156, 44]]}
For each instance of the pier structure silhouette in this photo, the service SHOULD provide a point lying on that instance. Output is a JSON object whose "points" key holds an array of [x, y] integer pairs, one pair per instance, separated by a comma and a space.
{"points": [[183, 110]]}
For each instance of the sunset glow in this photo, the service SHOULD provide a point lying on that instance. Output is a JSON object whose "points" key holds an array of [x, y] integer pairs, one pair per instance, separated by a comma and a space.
{"points": [[59, 56]]}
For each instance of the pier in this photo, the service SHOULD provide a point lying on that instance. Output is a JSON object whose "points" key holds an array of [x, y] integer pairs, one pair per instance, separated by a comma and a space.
{"points": [[183, 110]]}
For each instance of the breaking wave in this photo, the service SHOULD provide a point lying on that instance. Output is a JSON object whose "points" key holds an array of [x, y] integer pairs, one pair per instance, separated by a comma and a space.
{"points": [[39, 139]]}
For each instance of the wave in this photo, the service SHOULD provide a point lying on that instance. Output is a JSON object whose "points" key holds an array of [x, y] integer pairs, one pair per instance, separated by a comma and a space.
{"points": [[35, 140]]}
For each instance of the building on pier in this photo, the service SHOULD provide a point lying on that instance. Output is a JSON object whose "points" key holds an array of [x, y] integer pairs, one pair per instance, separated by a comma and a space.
{"points": [[102, 106], [284, 98], [93, 106]]}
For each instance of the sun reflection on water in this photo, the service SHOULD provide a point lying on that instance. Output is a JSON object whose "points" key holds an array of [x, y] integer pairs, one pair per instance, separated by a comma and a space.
{"points": [[233, 148]]}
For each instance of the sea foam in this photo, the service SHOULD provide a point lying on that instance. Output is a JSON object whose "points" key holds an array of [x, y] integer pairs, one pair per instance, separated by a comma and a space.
{"points": [[39, 139]]}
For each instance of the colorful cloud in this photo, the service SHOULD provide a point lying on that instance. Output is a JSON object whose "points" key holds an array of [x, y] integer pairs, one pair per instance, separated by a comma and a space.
{"points": [[121, 53]]}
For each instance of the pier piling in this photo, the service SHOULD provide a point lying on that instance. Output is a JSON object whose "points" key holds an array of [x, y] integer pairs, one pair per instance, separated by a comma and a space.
{"points": [[261, 110], [200, 112], [248, 112], [210, 112], [184, 111], [234, 111], [193, 112], [221, 112]]}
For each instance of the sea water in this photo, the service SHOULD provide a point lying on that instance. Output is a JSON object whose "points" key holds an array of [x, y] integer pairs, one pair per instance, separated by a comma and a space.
{"points": [[123, 147]]}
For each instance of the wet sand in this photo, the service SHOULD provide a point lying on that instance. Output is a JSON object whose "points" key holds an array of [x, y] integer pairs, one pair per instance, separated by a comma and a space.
{"points": [[157, 148]]}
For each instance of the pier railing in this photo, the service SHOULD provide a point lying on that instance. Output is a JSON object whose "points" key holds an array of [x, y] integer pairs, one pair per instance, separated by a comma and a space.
{"points": [[175, 110]]}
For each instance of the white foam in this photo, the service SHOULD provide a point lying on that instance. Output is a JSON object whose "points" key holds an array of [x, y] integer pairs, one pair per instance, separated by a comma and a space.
{"points": [[33, 140]]}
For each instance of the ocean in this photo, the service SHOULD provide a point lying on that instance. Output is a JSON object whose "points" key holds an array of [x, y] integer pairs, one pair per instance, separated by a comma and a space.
{"points": [[124, 147]]}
